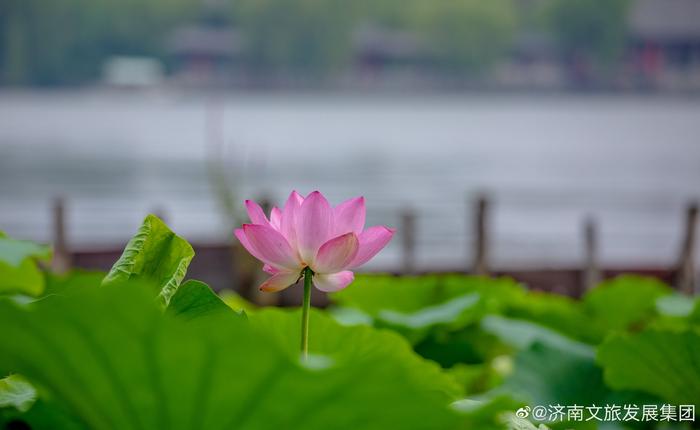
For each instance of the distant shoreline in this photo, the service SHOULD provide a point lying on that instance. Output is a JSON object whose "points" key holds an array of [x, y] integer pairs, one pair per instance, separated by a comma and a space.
{"points": [[380, 91]]}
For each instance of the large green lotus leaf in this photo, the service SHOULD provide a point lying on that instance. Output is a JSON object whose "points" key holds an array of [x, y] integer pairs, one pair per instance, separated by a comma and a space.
{"points": [[341, 343], [75, 279], [346, 316], [676, 305], [516, 423], [451, 311], [154, 253], [487, 412], [469, 345], [550, 375], [548, 368], [19, 273], [547, 373], [676, 312], [374, 294], [559, 313], [348, 344], [544, 374], [414, 306], [521, 334], [41, 415], [475, 378], [25, 279], [663, 363], [115, 361], [626, 302], [694, 317], [236, 302], [497, 293], [450, 315], [14, 252], [195, 299], [18, 403], [16, 392]]}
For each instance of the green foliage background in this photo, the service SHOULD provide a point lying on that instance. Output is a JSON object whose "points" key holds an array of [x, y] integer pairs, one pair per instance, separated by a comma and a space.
{"points": [[67, 41]]}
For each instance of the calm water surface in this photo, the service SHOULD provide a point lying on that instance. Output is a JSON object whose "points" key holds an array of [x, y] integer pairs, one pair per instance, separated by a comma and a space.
{"points": [[548, 162]]}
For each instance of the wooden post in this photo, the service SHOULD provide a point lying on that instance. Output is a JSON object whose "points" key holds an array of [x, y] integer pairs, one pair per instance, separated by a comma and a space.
{"points": [[591, 270], [686, 276], [480, 264], [61, 256], [408, 240]]}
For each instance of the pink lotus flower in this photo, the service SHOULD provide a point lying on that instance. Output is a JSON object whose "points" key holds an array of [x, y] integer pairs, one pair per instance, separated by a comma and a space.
{"points": [[308, 232]]}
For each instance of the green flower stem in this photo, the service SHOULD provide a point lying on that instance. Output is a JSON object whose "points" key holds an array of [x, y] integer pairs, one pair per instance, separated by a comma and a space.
{"points": [[308, 274]]}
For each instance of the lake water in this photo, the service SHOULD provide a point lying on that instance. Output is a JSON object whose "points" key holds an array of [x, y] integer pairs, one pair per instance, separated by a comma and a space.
{"points": [[548, 162]]}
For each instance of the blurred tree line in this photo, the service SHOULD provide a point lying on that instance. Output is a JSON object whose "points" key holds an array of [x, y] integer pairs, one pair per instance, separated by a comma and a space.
{"points": [[49, 42], [52, 42]]}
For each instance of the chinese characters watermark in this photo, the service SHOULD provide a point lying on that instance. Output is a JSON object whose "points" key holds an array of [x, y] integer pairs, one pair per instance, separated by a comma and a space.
{"points": [[609, 413]]}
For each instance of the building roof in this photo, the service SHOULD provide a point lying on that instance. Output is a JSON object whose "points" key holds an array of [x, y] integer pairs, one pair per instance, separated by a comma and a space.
{"points": [[397, 44], [665, 20]]}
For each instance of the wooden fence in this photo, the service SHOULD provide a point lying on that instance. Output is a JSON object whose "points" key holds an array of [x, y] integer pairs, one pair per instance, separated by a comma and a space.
{"points": [[226, 265]]}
